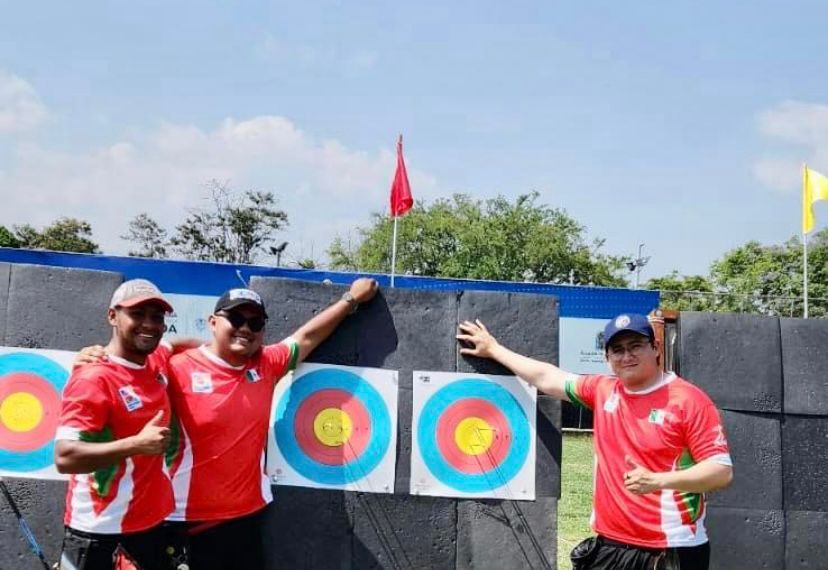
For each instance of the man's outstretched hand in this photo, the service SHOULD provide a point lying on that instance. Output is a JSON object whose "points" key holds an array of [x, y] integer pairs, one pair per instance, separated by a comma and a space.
{"points": [[477, 339]]}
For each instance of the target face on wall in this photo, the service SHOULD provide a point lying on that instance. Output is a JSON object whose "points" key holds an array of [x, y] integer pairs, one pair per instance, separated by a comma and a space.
{"points": [[473, 436], [335, 427], [31, 384]]}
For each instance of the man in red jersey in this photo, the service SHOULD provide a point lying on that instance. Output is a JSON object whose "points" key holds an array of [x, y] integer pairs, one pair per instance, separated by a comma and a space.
{"points": [[659, 446], [112, 434], [222, 394]]}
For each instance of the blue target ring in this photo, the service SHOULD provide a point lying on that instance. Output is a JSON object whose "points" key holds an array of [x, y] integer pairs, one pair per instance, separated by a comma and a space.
{"points": [[52, 374], [346, 381], [506, 403]]}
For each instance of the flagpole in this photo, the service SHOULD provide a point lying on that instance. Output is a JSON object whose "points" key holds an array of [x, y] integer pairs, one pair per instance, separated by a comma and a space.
{"points": [[805, 272], [805, 206], [394, 251]]}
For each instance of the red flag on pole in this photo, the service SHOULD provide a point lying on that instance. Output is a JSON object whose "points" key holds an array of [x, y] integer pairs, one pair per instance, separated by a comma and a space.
{"points": [[401, 200]]}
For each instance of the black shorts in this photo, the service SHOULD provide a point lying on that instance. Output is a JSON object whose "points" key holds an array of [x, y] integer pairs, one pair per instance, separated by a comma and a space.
{"points": [[226, 545], [599, 553], [159, 547]]}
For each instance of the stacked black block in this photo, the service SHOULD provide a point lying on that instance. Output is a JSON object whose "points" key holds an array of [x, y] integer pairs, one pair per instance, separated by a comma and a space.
{"points": [[768, 377], [409, 330]]}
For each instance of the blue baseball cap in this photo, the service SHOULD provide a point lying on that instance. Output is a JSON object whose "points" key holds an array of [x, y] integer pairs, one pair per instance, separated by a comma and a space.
{"points": [[628, 322]]}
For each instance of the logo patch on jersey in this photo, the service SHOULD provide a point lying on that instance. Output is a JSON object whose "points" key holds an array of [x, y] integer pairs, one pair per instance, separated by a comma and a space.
{"points": [[201, 382], [162, 378], [252, 375], [612, 403], [657, 417], [721, 440], [130, 398]]}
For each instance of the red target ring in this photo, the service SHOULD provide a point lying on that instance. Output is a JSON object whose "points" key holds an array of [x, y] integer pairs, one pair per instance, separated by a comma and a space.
{"points": [[309, 443], [461, 460], [30, 388]]}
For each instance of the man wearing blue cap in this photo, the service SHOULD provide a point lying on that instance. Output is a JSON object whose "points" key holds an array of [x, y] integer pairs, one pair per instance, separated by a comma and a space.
{"points": [[659, 446]]}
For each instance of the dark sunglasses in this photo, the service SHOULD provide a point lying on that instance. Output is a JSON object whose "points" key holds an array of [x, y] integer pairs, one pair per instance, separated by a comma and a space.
{"points": [[237, 321]]}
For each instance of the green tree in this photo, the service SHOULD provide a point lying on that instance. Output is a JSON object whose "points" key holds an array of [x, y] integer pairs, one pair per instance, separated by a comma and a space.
{"points": [[7, 238], [493, 239], [148, 235], [233, 229], [684, 293], [64, 234]]}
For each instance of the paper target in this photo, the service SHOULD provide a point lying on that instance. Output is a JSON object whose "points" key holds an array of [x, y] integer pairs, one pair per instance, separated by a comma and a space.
{"points": [[31, 384], [473, 436], [335, 427]]}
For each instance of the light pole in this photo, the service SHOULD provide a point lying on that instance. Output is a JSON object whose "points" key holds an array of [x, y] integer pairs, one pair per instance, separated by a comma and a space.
{"points": [[637, 264], [277, 251]]}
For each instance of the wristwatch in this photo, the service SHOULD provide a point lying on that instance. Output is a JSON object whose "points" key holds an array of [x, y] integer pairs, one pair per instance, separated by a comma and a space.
{"points": [[348, 298]]}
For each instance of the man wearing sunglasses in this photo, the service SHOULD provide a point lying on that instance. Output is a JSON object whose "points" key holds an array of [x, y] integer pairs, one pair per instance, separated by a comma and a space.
{"points": [[222, 393], [659, 446]]}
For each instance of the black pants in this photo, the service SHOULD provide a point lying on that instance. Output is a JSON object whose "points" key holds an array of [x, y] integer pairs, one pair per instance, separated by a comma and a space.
{"points": [[228, 545], [599, 553], [157, 548]]}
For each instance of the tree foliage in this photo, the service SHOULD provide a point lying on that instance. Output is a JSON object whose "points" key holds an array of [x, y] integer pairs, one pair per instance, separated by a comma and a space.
{"points": [[7, 238], [233, 228], [64, 234], [494, 239], [148, 235], [754, 278]]}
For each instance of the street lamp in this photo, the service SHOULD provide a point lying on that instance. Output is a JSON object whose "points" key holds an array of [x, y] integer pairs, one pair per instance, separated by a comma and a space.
{"points": [[277, 251], [637, 264]]}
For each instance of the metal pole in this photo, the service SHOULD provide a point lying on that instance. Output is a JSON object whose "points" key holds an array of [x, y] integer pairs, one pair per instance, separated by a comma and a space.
{"points": [[805, 273], [394, 251]]}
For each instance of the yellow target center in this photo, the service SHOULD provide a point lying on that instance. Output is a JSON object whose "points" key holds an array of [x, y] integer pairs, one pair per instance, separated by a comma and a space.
{"points": [[332, 427], [474, 435], [21, 412]]}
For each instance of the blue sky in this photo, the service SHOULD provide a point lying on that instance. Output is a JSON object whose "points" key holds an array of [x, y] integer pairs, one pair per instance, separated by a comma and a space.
{"points": [[681, 125]]}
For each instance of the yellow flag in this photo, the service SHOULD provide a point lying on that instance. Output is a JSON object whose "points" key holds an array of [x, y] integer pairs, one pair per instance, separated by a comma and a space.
{"points": [[814, 188]]}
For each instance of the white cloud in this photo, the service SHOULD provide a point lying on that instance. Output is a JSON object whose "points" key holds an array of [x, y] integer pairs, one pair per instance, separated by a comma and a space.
{"points": [[20, 106], [803, 130], [324, 186]]}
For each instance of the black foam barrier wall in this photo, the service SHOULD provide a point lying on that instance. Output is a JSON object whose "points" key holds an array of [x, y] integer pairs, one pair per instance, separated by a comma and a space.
{"points": [[736, 358], [411, 330]]}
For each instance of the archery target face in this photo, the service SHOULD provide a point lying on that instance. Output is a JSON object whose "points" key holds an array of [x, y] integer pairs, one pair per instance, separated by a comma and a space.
{"points": [[473, 436], [335, 427], [31, 384]]}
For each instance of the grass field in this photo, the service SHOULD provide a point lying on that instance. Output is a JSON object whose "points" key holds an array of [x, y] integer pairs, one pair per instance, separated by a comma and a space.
{"points": [[576, 494]]}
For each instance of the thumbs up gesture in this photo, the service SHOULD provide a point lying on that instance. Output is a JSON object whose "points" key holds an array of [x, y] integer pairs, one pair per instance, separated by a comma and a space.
{"points": [[639, 480], [153, 437]]}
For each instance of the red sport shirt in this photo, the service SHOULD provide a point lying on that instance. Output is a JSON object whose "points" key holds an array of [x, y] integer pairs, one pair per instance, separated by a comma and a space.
{"points": [[224, 412], [109, 400], [669, 426]]}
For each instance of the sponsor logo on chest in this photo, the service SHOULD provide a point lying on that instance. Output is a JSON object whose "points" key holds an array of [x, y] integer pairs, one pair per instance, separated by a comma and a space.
{"points": [[201, 383], [130, 399], [612, 403], [657, 417], [252, 375]]}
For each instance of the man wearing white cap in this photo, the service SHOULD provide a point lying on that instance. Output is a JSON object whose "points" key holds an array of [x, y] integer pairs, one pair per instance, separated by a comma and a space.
{"points": [[112, 436], [659, 446]]}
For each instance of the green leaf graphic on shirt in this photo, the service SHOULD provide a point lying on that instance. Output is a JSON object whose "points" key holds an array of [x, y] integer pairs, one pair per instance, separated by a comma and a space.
{"points": [[174, 446], [102, 478], [691, 500]]}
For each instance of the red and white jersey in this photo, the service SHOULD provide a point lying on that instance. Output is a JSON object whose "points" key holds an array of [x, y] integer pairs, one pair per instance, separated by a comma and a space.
{"points": [[670, 426], [224, 412], [106, 401]]}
